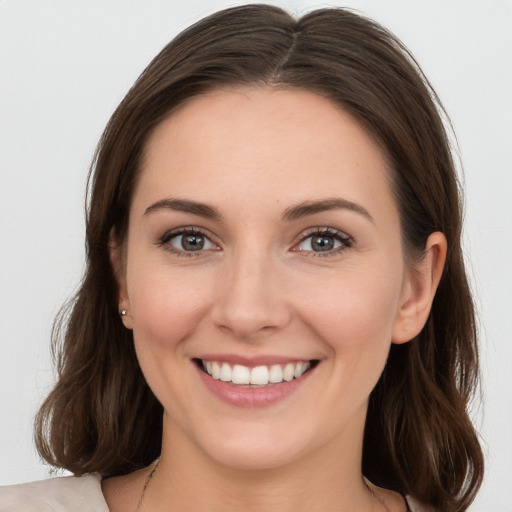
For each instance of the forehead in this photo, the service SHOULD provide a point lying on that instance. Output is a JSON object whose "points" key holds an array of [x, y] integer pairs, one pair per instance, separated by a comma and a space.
{"points": [[243, 144]]}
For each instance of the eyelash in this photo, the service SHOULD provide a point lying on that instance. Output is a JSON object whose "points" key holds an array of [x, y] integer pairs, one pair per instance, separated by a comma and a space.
{"points": [[164, 241], [345, 240]]}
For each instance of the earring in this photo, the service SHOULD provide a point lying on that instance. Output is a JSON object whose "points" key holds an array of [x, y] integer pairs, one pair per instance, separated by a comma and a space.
{"points": [[126, 318]]}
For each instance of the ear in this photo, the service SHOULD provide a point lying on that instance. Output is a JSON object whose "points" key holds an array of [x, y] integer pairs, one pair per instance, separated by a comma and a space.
{"points": [[118, 263], [419, 290]]}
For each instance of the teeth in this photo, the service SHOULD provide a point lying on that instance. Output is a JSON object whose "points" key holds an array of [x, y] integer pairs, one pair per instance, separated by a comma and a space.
{"points": [[225, 372], [300, 368], [215, 372], [259, 375], [275, 374], [240, 374], [288, 372]]}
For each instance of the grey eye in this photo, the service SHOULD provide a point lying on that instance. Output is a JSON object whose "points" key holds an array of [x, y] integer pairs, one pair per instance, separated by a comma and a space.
{"points": [[320, 243], [191, 242]]}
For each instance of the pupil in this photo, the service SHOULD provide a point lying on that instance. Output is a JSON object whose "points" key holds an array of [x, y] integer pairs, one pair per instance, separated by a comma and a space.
{"points": [[322, 243], [193, 242]]}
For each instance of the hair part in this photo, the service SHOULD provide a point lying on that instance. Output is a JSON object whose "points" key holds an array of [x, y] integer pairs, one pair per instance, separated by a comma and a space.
{"points": [[102, 417]]}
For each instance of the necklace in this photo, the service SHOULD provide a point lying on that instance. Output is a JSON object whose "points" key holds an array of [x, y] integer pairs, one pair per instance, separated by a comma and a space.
{"points": [[374, 496], [146, 483], [155, 467]]}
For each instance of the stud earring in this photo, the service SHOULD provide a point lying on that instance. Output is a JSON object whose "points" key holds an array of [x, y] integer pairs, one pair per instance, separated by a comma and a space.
{"points": [[126, 318]]}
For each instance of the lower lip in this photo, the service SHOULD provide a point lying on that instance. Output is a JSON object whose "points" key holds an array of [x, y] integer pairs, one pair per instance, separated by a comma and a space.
{"points": [[239, 396]]}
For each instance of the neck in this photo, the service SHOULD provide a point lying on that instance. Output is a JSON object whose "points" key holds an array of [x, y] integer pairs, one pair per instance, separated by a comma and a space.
{"points": [[328, 478]]}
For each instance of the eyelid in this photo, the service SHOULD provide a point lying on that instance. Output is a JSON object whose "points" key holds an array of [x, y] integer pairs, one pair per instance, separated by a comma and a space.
{"points": [[164, 240], [346, 240]]}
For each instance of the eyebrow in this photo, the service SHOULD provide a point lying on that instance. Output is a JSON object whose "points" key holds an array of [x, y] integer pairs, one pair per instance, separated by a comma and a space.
{"points": [[292, 213], [186, 206], [335, 203]]}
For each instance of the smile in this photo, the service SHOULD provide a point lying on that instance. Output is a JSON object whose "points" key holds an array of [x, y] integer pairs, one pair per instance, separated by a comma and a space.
{"points": [[260, 382], [256, 376]]}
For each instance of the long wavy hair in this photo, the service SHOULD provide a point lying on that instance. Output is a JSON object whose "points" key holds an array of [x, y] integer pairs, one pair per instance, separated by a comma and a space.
{"points": [[102, 417]]}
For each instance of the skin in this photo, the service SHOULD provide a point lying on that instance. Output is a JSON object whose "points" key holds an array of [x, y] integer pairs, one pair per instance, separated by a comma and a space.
{"points": [[259, 288]]}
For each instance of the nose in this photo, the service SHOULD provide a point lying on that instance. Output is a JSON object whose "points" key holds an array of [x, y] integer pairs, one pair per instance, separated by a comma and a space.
{"points": [[250, 300]]}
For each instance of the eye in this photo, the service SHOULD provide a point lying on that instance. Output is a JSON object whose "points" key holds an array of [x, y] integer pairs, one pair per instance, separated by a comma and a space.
{"points": [[324, 240], [186, 241]]}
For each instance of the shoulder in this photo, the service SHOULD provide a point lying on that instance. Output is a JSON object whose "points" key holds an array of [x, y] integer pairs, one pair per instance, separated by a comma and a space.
{"points": [[416, 506], [80, 494]]}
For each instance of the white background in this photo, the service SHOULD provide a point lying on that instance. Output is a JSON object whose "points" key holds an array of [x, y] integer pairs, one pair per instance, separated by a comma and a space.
{"points": [[65, 65]]}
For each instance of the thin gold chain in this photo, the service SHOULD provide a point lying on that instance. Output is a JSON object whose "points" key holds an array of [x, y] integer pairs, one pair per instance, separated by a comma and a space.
{"points": [[153, 471], [146, 483], [380, 500]]}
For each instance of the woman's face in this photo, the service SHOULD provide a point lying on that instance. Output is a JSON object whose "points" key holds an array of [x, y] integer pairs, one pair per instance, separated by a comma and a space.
{"points": [[264, 246]]}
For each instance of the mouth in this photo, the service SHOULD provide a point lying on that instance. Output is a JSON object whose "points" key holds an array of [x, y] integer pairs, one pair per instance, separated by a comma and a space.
{"points": [[255, 376]]}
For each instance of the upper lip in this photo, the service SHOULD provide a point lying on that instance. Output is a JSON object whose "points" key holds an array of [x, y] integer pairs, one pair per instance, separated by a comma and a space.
{"points": [[252, 361]]}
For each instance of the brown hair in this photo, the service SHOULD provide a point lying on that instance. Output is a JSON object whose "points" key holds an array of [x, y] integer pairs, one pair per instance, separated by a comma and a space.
{"points": [[102, 417]]}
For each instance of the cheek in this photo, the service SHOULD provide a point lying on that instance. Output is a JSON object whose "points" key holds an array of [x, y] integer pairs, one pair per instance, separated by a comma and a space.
{"points": [[167, 308], [352, 313], [355, 310], [166, 305]]}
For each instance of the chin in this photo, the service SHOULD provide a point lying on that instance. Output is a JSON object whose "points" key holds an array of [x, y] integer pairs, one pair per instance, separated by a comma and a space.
{"points": [[255, 454]]}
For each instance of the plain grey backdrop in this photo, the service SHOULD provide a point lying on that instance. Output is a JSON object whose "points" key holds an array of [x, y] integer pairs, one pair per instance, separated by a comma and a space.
{"points": [[64, 66]]}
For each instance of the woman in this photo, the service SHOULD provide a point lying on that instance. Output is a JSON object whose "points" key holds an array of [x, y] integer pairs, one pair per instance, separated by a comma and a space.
{"points": [[275, 312]]}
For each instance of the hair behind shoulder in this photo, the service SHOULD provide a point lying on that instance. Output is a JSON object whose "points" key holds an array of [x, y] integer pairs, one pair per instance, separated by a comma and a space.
{"points": [[102, 417]]}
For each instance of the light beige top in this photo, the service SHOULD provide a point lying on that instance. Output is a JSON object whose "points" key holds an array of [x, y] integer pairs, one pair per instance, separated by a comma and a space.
{"points": [[62, 494], [75, 494]]}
